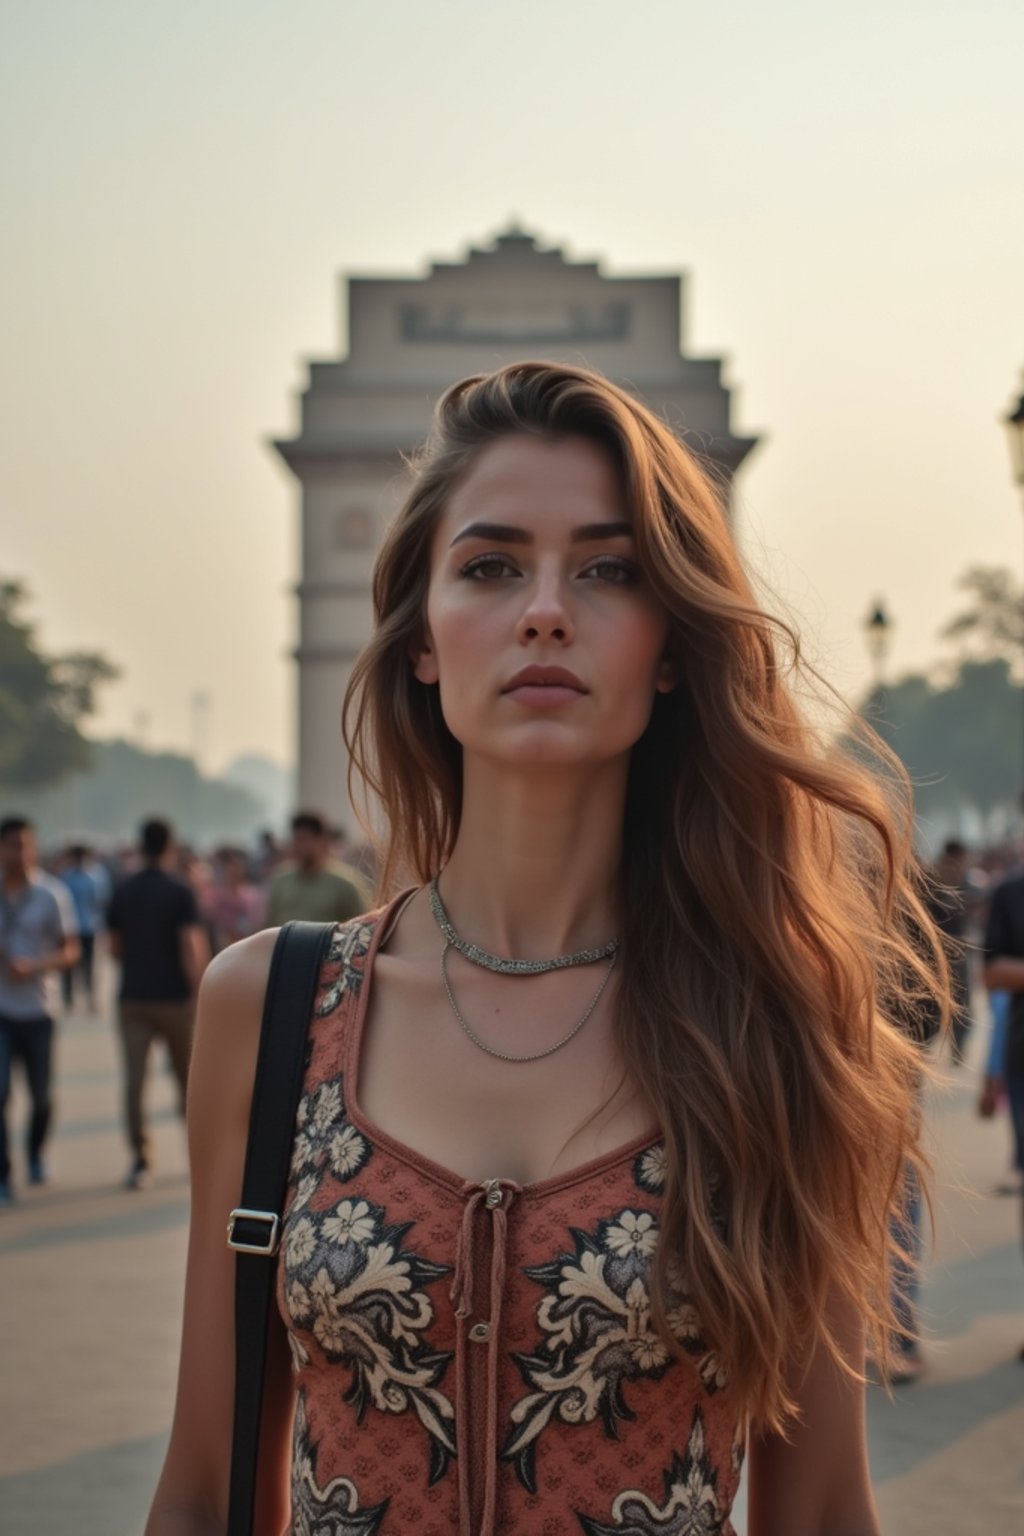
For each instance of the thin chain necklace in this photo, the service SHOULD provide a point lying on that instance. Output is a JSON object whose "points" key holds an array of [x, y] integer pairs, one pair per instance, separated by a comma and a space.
{"points": [[511, 967], [537, 1055]]}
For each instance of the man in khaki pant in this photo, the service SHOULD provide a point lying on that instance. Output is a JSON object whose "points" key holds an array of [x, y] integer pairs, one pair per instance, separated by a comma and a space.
{"points": [[156, 933]]}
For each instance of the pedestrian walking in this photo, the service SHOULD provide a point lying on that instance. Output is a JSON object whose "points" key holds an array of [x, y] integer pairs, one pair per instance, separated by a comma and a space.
{"points": [[603, 1114], [233, 906], [947, 901], [993, 1093], [155, 932], [1004, 971], [313, 887], [37, 941], [267, 857], [89, 885]]}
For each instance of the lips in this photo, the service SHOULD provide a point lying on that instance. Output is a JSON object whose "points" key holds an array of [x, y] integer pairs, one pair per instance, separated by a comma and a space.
{"points": [[544, 677]]}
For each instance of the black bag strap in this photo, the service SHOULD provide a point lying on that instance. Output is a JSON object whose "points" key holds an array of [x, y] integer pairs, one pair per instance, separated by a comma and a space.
{"points": [[254, 1228]]}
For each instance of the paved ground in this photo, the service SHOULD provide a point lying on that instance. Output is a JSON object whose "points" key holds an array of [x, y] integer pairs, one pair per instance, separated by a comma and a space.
{"points": [[91, 1280]]}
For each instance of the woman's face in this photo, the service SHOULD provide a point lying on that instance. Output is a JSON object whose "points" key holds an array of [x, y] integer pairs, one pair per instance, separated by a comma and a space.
{"points": [[546, 642]]}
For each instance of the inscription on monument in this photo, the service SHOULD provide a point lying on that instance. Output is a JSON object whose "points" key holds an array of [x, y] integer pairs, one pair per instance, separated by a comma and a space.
{"points": [[571, 323]]}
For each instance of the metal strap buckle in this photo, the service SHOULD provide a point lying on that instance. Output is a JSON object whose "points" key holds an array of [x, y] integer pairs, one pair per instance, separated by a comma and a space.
{"points": [[268, 1246]]}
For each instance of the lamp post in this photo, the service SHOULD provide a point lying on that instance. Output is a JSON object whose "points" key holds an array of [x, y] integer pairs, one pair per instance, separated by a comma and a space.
{"points": [[1014, 423], [878, 630]]}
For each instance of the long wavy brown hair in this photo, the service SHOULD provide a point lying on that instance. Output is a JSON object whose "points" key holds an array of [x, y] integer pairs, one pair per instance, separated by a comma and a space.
{"points": [[775, 949]]}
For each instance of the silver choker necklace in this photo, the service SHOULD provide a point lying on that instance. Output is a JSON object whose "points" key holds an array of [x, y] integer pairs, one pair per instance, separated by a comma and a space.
{"points": [[537, 1055], [512, 967]]}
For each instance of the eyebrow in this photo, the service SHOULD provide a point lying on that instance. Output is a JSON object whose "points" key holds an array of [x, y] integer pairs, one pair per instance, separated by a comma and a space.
{"points": [[503, 533]]}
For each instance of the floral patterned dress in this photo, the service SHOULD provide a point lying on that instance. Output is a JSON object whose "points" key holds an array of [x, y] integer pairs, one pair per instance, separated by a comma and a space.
{"points": [[479, 1358]]}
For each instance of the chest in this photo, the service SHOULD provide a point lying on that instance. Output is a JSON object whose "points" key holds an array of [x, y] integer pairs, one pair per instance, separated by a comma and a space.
{"points": [[424, 1080], [150, 909], [1013, 928], [502, 1338], [28, 921]]}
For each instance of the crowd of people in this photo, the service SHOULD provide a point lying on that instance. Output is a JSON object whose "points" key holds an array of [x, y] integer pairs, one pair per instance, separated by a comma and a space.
{"points": [[162, 911]]}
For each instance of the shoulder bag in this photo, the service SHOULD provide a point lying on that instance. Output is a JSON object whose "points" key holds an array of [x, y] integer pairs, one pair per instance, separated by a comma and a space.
{"points": [[254, 1228]]}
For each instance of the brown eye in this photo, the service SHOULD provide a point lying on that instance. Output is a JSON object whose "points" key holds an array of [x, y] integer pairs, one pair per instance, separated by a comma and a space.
{"points": [[487, 568], [615, 572]]}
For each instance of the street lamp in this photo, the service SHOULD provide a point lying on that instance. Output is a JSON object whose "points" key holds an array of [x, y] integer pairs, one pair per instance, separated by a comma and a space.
{"points": [[878, 631], [1014, 424]]}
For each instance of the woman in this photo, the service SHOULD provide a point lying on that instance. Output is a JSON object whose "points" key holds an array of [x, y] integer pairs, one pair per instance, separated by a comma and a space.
{"points": [[233, 906], [563, 1239]]}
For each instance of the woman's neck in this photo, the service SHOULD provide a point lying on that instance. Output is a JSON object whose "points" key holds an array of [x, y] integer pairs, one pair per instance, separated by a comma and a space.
{"points": [[534, 870]]}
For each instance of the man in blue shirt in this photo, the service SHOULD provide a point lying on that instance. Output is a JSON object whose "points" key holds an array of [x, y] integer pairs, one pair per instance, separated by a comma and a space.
{"points": [[37, 939], [89, 885]]}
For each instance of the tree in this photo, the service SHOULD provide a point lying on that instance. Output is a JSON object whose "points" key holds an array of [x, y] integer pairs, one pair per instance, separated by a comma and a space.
{"points": [[43, 700], [992, 625], [125, 785], [961, 744], [958, 729]]}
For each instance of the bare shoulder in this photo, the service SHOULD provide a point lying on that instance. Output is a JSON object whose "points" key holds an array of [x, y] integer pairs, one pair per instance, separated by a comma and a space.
{"points": [[237, 977], [228, 1017]]}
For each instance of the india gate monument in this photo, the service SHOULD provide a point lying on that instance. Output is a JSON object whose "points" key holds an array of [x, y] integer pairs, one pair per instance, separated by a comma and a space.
{"points": [[409, 338]]}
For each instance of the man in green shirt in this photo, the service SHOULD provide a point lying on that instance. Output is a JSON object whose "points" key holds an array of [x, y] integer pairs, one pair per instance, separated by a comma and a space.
{"points": [[314, 888]]}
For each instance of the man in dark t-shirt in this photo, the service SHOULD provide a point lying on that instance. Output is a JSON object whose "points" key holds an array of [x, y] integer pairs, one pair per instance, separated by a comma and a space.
{"points": [[946, 900], [1004, 971], [156, 933]]}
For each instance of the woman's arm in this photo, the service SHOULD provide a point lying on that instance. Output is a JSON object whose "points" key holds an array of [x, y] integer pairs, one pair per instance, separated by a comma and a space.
{"points": [[192, 1495], [817, 1484], [1004, 974]]}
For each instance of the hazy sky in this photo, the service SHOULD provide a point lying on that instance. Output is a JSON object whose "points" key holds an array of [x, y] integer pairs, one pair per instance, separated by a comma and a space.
{"points": [[183, 183]]}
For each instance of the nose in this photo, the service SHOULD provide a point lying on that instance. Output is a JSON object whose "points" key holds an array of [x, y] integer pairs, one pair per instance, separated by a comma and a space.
{"points": [[546, 614]]}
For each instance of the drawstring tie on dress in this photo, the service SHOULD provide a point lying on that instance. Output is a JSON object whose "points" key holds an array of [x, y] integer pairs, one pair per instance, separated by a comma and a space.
{"points": [[494, 1197]]}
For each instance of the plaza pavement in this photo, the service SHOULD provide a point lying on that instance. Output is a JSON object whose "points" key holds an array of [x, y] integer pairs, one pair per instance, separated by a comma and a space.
{"points": [[91, 1281]]}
